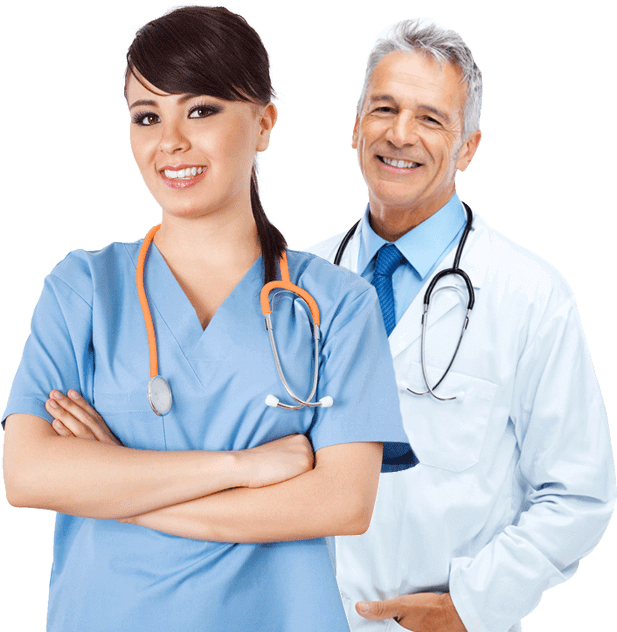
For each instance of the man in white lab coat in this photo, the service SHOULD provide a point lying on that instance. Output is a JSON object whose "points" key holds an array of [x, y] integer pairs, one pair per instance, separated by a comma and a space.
{"points": [[516, 480]]}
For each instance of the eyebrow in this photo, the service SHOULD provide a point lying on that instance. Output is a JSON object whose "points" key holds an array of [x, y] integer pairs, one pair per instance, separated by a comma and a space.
{"points": [[379, 98], [150, 102]]}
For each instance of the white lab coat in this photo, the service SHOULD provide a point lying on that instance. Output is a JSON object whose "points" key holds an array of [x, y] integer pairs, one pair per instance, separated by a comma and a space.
{"points": [[516, 480]]}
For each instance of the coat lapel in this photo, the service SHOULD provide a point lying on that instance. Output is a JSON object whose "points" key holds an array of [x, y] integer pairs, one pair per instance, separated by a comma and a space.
{"points": [[474, 262]]}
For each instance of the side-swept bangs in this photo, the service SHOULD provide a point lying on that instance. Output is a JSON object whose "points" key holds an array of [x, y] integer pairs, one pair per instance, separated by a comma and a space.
{"points": [[191, 51]]}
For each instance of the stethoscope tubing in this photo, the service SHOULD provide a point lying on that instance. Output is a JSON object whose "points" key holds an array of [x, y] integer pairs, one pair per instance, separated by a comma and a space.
{"points": [[286, 284], [301, 402], [143, 300], [454, 270], [158, 390]]}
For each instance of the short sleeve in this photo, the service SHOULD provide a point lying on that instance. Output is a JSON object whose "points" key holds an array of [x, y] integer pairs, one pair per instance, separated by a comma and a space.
{"points": [[356, 370], [58, 353]]}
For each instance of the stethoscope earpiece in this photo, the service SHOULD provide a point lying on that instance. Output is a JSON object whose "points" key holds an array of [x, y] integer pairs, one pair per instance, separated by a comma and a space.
{"points": [[272, 401], [324, 402]]}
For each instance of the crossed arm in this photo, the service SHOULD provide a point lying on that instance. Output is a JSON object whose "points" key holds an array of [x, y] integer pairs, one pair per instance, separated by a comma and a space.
{"points": [[270, 493]]}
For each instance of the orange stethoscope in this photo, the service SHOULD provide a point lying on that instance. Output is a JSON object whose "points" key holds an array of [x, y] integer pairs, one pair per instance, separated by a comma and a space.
{"points": [[159, 392]]}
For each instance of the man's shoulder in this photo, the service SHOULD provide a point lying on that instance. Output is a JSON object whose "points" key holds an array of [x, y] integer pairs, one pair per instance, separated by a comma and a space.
{"points": [[311, 268], [517, 267], [327, 249]]}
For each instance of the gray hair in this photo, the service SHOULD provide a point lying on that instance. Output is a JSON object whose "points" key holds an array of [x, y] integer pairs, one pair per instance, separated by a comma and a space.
{"points": [[419, 36]]}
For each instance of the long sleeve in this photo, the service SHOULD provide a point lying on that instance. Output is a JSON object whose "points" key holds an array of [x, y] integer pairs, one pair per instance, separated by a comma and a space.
{"points": [[565, 471]]}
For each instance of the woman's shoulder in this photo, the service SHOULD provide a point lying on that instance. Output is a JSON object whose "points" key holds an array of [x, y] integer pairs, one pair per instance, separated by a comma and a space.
{"points": [[334, 288], [309, 267], [81, 269]]}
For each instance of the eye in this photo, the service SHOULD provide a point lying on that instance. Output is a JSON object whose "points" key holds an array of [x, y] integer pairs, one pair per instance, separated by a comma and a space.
{"points": [[203, 111], [431, 120], [384, 109], [145, 119]]}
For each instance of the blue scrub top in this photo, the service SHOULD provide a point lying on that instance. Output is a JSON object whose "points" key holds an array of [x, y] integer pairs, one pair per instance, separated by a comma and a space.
{"points": [[88, 334]]}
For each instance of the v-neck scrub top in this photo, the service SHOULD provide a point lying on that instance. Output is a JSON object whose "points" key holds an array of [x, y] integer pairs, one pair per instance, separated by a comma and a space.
{"points": [[88, 334]]}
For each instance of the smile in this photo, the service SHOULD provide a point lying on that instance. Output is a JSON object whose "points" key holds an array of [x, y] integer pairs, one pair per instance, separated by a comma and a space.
{"points": [[184, 177], [189, 172], [399, 164]]}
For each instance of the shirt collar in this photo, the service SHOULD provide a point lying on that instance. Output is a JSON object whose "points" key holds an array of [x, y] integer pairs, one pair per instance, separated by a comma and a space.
{"points": [[423, 245]]}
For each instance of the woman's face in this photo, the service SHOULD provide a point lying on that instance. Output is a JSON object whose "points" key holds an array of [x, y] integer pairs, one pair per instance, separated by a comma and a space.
{"points": [[196, 153]]}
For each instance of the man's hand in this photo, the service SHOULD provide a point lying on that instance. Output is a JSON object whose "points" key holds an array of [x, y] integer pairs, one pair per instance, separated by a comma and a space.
{"points": [[422, 612], [74, 417]]}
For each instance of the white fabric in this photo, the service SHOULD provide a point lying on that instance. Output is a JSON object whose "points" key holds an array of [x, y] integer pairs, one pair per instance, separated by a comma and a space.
{"points": [[516, 479]]}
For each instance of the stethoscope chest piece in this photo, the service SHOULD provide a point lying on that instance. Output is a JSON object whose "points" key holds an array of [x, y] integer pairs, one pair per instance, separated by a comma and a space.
{"points": [[159, 395]]}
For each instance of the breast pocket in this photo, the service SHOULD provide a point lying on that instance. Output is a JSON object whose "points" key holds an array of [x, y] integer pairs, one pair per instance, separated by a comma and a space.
{"points": [[129, 416], [449, 434]]}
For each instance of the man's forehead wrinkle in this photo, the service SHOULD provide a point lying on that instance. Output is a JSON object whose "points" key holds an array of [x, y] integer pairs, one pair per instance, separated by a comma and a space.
{"points": [[403, 87]]}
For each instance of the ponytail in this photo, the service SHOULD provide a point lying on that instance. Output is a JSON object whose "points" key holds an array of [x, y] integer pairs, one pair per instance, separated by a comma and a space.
{"points": [[272, 242]]}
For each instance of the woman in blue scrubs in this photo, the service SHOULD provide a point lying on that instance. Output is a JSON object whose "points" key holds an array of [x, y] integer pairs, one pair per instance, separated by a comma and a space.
{"points": [[214, 515]]}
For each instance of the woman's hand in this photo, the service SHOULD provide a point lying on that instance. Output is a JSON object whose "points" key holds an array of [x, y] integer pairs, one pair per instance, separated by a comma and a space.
{"points": [[276, 461], [74, 417], [263, 465]]}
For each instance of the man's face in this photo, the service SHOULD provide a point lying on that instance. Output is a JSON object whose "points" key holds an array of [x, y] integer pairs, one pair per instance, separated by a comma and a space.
{"points": [[409, 135]]}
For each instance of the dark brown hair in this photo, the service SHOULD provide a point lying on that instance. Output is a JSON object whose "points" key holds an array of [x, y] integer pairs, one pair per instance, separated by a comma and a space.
{"points": [[210, 51]]}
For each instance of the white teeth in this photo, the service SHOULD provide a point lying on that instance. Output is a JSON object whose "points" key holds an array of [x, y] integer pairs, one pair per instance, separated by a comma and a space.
{"points": [[400, 164], [190, 172]]}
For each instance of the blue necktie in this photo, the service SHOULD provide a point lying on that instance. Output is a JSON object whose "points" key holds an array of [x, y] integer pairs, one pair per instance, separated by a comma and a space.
{"points": [[389, 258]]}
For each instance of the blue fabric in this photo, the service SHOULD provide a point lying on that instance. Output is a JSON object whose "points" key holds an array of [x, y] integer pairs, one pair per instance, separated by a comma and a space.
{"points": [[388, 259], [88, 334]]}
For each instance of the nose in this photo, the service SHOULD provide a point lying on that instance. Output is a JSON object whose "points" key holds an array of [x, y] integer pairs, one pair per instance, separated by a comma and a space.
{"points": [[403, 130], [173, 140]]}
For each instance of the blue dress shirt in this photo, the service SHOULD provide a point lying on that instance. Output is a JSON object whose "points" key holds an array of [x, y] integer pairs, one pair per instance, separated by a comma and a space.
{"points": [[423, 247]]}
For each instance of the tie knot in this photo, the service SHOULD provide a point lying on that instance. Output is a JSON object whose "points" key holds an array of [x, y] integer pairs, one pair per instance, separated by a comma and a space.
{"points": [[389, 258]]}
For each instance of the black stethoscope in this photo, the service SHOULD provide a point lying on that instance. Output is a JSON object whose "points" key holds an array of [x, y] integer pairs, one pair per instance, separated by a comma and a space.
{"points": [[455, 269]]}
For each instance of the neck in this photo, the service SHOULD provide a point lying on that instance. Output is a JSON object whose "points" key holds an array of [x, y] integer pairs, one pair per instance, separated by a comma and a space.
{"points": [[392, 222], [215, 239]]}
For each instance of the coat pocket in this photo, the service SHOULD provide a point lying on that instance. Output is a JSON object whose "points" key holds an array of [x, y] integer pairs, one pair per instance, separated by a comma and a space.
{"points": [[446, 434]]}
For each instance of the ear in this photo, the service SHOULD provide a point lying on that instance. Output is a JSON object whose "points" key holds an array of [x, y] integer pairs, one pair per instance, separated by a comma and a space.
{"points": [[267, 120], [468, 150], [356, 129]]}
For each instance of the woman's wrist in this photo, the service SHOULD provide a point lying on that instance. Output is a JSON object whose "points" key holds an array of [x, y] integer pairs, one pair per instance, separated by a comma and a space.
{"points": [[239, 465], [229, 468]]}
